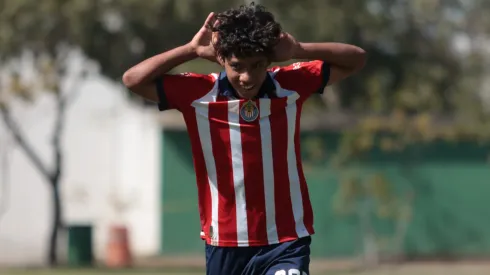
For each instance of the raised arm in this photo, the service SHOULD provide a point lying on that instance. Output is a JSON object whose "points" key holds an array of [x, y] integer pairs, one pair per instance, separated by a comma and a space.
{"points": [[140, 79], [327, 63], [343, 59]]}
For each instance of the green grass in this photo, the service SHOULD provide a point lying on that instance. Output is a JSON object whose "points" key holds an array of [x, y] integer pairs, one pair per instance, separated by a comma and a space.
{"points": [[64, 271], [411, 269]]}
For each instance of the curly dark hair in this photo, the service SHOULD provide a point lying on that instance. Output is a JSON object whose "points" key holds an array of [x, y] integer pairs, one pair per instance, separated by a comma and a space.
{"points": [[246, 31]]}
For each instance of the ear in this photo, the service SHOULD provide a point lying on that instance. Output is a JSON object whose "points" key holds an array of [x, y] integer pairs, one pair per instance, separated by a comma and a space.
{"points": [[220, 60]]}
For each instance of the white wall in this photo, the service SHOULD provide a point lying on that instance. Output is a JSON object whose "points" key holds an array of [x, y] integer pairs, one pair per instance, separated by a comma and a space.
{"points": [[111, 149]]}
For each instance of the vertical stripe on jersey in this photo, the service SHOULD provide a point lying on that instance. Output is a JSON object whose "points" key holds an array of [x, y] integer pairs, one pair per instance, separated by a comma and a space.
{"points": [[292, 168], [203, 186], [221, 150], [282, 195], [268, 172], [203, 127], [253, 180], [238, 172], [307, 209]]}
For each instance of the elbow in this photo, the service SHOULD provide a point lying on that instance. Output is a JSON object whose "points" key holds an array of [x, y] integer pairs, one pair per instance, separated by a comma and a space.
{"points": [[130, 79]]}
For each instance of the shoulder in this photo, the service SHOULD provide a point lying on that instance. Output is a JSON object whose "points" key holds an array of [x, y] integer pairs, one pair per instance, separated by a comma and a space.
{"points": [[312, 67], [188, 85], [180, 90], [189, 79], [305, 78]]}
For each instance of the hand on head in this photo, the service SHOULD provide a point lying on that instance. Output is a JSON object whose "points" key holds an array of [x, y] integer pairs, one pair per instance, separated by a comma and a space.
{"points": [[205, 38]]}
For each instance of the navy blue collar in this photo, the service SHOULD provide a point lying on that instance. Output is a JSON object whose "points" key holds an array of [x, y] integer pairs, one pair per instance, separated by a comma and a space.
{"points": [[225, 89]]}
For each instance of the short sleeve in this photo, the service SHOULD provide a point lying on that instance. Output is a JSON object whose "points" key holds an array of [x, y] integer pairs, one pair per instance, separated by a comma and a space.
{"points": [[305, 78], [180, 90]]}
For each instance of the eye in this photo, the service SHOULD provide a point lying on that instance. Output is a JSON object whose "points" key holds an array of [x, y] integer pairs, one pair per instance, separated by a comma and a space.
{"points": [[235, 67]]}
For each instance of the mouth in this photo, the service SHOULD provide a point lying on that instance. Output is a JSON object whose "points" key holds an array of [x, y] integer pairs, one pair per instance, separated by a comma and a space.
{"points": [[248, 88]]}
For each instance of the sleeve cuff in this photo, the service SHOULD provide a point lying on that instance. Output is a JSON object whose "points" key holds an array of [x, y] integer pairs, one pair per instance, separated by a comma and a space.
{"points": [[325, 76], [162, 99]]}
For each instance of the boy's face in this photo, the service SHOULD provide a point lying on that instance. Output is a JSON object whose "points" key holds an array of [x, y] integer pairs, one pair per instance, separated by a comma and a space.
{"points": [[247, 74]]}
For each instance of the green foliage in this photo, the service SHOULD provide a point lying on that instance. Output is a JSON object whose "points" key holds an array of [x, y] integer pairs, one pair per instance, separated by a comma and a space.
{"points": [[422, 81], [413, 61], [117, 34]]}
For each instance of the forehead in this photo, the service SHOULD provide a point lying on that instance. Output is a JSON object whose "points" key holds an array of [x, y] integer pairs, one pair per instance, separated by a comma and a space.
{"points": [[247, 60]]}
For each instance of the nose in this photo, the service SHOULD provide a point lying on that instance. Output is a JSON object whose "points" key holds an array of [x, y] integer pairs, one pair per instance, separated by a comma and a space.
{"points": [[245, 78]]}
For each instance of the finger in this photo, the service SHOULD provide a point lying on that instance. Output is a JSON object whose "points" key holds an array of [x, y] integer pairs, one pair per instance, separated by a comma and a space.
{"points": [[216, 23], [214, 38], [209, 19]]}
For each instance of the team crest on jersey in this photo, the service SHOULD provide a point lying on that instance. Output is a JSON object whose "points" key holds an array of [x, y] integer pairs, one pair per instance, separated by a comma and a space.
{"points": [[249, 111]]}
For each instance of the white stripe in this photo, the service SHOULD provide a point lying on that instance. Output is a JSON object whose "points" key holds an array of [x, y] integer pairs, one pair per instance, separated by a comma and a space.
{"points": [[291, 95], [201, 104], [207, 149], [295, 189], [237, 164], [268, 169]]}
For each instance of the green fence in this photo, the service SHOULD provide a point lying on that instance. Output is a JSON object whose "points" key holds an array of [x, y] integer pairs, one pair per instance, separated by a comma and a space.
{"points": [[438, 202]]}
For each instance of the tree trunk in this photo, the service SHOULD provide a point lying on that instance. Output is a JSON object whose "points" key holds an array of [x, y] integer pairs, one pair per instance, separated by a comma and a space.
{"points": [[53, 176], [56, 225]]}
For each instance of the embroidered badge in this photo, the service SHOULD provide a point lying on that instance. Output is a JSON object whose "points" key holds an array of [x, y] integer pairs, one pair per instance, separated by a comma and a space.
{"points": [[249, 111]]}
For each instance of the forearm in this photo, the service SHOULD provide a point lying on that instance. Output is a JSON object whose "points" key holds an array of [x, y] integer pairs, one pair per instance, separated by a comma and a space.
{"points": [[337, 54], [149, 69]]}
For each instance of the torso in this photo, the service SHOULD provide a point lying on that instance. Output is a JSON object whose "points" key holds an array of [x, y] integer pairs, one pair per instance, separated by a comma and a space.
{"points": [[251, 186]]}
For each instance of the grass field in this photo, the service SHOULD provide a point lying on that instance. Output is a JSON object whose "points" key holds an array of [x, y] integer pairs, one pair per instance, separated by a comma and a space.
{"points": [[48, 272], [410, 269]]}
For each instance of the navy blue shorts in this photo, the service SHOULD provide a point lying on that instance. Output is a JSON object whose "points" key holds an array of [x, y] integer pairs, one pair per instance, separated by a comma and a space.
{"points": [[289, 258]]}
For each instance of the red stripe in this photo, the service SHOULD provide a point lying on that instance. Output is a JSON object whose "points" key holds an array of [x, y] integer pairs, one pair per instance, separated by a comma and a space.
{"points": [[203, 189], [220, 139], [307, 209], [285, 223], [253, 179]]}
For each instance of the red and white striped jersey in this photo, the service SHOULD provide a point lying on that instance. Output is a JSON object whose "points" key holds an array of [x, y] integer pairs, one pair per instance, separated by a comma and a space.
{"points": [[251, 186]]}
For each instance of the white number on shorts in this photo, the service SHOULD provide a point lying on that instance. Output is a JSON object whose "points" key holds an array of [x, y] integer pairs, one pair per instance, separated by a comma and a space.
{"points": [[290, 272]]}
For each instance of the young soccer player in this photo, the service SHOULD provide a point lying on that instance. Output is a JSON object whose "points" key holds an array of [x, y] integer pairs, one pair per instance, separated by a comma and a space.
{"points": [[243, 123]]}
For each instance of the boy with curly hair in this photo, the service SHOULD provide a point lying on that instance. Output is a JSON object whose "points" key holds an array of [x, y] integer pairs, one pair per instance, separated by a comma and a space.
{"points": [[243, 123]]}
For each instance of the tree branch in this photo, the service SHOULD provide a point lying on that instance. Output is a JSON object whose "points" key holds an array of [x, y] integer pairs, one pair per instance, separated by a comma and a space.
{"points": [[62, 103], [19, 138], [56, 138]]}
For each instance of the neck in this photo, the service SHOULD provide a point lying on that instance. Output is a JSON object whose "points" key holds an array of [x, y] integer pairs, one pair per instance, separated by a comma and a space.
{"points": [[242, 96]]}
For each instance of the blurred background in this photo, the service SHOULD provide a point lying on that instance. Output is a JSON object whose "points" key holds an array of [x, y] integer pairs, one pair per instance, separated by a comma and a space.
{"points": [[397, 157]]}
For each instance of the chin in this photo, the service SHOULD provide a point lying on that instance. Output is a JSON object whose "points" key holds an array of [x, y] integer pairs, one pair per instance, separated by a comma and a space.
{"points": [[248, 94]]}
